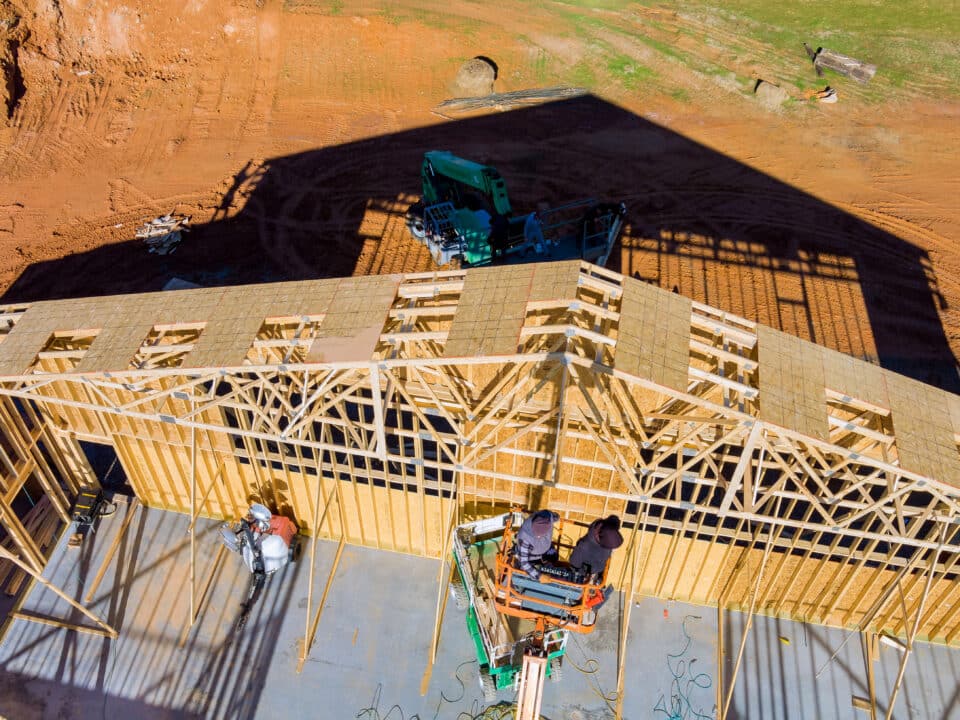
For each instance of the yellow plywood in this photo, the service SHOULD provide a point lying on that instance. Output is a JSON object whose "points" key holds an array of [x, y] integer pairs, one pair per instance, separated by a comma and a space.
{"points": [[853, 378], [491, 312], [31, 333], [124, 321], [354, 319], [924, 429], [653, 340], [555, 281], [791, 383]]}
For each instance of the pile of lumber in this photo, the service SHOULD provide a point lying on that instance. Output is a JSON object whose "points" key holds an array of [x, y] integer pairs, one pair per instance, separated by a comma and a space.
{"points": [[163, 234], [41, 523], [508, 101]]}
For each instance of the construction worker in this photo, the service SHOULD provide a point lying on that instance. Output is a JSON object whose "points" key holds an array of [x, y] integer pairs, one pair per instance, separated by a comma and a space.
{"points": [[593, 550], [533, 231], [499, 236], [534, 542]]}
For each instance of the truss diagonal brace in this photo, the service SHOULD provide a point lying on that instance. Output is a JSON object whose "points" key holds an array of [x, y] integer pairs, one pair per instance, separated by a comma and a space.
{"points": [[736, 481]]}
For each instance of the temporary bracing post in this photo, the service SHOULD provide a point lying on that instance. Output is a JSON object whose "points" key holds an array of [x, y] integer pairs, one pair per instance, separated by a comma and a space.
{"points": [[912, 632], [442, 590], [749, 624], [636, 544], [193, 516], [311, 628], [26, 568], [131, 511]]}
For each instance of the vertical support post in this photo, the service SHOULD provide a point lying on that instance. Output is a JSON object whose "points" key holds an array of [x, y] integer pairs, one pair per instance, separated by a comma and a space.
{"points": [[443, 588], [636, 542], [749, 624], [561, 419], [720, 655], [193, 521], [378, 412], [317, 521], [870, 643], [736, 480], [916, 625]]}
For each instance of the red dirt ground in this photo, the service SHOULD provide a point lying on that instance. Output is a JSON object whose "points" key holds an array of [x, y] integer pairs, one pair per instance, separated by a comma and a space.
{"points": [[292, 133]]}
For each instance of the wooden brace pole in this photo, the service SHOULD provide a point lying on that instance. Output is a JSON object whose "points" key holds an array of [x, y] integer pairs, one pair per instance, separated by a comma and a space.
{"points": [[916, 627], [749, 624], [317, 522], [26, 568], [636, 542], [131, 511]]}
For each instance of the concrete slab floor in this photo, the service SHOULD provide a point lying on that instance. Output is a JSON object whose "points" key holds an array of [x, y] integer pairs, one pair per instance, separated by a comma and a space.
{"points": [[371, 649]]}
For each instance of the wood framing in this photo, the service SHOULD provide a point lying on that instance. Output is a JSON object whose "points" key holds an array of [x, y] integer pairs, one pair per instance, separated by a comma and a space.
{"points": [[423, 396]]}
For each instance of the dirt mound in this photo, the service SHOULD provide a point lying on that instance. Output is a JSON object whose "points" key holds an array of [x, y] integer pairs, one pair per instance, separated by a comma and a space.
{"points": [[475, 78]]}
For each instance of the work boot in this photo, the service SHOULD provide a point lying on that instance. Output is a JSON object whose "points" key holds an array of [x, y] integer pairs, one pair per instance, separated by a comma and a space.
{"points": [[606, 592]]}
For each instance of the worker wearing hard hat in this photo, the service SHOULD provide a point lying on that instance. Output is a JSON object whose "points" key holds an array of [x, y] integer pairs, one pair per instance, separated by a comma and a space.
{"points": [[593, 550], [534, 541]]}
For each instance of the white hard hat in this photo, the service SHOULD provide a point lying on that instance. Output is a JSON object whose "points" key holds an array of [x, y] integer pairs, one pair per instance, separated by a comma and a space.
{"points": [[260, 513]]}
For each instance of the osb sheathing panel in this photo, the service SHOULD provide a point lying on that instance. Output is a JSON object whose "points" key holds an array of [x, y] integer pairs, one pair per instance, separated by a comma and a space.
{"points": [[791, 383], [555, 281], [924, 429], [854, 378], [653, 338], [491, 312]]}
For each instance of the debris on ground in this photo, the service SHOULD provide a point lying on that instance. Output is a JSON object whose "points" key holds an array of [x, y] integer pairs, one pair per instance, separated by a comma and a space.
{"points": [[843, 64], [827, 95], [770, 95], [508, 100], [163, 234]]}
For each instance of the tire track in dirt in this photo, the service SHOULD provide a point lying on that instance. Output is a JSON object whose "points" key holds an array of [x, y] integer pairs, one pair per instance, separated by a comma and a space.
{"points": [[266, 69]]}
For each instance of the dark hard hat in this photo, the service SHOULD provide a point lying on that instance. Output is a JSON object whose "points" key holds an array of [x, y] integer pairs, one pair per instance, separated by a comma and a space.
{"points": [[609, 534], [542, 522]]}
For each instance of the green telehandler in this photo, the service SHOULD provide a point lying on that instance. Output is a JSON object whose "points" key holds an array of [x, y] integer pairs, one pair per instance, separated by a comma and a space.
{"points": [[464, 216]]}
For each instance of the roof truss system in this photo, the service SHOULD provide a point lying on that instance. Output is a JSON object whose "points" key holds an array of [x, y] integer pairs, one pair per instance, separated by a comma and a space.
{"points": [[380, 410]]}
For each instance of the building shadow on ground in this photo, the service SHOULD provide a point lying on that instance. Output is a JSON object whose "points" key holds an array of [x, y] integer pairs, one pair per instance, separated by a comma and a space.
{"points": [[699, 223]]}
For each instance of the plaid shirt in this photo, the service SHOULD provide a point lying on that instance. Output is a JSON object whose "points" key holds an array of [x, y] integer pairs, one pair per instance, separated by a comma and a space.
{"points": [[526, 555]]}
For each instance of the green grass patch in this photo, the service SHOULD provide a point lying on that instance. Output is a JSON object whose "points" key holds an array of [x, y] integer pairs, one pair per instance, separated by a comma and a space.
{"points": [[903, 38], [628, 71], [582, 75]]}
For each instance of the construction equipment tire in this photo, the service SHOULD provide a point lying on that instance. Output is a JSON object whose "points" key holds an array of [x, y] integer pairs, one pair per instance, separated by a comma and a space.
{"points": [[415, 222], [556, 670], [489, 685]]}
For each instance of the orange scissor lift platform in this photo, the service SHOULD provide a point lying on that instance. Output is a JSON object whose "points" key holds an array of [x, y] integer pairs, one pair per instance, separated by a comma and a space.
{"points": [[519, 625]]}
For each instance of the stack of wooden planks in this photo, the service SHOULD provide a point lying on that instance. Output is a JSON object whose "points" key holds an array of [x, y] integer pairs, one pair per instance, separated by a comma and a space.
{"points": [[42, 523]]}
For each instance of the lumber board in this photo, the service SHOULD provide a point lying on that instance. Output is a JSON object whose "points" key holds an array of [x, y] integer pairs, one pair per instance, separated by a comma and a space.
{"points": [[354, 319], [54, 622]]}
